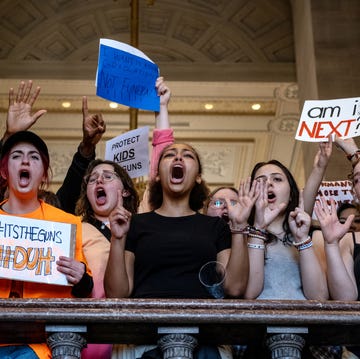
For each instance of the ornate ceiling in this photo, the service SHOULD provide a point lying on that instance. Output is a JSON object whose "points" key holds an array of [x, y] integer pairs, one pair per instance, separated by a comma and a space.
{"points": [[206, 40]]}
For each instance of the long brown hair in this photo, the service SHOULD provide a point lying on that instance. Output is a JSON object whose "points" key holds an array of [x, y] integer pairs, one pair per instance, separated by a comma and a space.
{"points": [[131, 202]]}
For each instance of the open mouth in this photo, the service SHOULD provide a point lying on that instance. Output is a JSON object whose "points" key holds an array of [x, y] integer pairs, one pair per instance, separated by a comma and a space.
{"points": [[177, 174], [24, 177], [225, 217], [100, 196], [271, 197]]}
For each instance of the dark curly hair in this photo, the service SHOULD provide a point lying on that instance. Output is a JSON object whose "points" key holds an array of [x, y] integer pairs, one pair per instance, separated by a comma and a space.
{"points": [[198, 195], [294, 192], [131, 202]]}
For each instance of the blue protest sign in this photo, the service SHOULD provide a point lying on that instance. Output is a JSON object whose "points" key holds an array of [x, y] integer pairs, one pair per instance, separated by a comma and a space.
{"points": [[126, 76]]}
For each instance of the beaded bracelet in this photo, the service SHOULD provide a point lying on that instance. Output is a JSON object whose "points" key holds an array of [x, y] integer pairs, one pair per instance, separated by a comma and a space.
{"points": [[258, 236], [305, 246], [239, 231], [256, 246], [305, 241], [355, 154]]}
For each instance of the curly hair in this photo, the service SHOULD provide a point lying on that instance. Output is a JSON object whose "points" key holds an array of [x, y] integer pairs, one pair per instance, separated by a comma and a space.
{"points": [[131, 202], [198, 194]]}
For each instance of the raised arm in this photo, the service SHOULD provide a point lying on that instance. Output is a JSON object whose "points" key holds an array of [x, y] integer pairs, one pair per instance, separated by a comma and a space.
{"points": [[350, 148], [338, 254], [313, 277], [313, 182], [237, 267], [119, 273], [163, 133], [93, 127], [19, 115]]}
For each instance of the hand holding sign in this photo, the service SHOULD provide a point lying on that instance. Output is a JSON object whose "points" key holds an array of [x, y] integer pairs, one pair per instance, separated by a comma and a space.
{"points": [[119, 219], [71, 268]]}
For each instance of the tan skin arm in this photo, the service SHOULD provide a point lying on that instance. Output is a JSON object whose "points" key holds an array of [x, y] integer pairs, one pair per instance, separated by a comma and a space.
{"points": [[338, 252], [118, 279]]}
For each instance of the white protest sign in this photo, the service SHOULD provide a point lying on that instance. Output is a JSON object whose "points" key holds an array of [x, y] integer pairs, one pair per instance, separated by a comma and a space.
{"points": [[339, 191], [29, 249], [319, 119], [131, 151]]}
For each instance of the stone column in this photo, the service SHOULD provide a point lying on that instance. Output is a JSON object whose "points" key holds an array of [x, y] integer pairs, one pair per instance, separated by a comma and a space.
{"points": [[66, 342], [177, 346], [285, 346]]}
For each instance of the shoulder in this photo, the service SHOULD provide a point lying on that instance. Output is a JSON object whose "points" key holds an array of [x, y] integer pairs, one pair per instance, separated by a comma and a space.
{"points": [[55, 214]]}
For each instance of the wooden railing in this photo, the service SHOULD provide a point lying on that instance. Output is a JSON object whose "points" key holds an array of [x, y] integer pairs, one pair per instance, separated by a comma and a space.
{"points": [[174, 322]]}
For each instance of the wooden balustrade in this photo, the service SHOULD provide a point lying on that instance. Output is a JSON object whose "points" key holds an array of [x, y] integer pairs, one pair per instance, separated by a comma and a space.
{"points": [[73, 322]]}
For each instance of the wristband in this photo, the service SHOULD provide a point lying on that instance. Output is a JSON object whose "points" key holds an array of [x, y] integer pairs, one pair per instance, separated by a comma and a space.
{"points": [[305, 241], [256, 246], [305, 246]]}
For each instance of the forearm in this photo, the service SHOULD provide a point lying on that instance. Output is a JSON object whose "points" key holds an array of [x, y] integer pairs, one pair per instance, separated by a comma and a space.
{"points": [[162, 118], [342, 284], [237, 268], [312, 276], [312, 187], [256, 269], [69, 191], [116, 282]]}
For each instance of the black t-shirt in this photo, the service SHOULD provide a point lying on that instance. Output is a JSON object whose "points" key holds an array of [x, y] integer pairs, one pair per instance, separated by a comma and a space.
{"points": [[169, 252]]}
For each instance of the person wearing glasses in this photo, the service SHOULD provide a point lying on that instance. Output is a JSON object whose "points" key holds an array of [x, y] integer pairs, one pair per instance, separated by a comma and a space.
{"points": [[102, 182]]}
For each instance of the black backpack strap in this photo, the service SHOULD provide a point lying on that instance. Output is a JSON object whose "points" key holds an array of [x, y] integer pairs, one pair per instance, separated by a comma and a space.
{"points": [[102, 227]]}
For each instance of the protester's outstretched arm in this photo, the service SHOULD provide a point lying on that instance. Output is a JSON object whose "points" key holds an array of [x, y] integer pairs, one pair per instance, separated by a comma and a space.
{"points": [[93, 127], [163, 134], [20, 116], [313, 182], [119, 273], [313, 277], [237, 268], [350, 148], [339, 258]]}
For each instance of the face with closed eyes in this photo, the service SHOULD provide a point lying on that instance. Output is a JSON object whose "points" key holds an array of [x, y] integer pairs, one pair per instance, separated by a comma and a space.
{"points": [[277, 184], [102, 189], [25, 171], [179, 168]]}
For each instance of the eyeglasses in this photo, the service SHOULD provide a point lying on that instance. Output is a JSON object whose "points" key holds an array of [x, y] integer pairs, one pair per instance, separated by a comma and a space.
{"points": [[218, 203], [107, 176]]}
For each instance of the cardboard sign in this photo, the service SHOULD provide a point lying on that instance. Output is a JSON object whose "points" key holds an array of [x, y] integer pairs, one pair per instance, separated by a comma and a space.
{"points": [[339, 191], [127, 76], [131, 151], [320, 119], [29, 249]]}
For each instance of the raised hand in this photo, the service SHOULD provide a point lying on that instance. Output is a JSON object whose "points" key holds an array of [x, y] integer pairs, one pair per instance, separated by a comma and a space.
{"points": [[264, 215], [19, 116], [323, 155], [299, 221], [119, 219], [248, 193], [93, 129], [163, 91], [331, 227]]}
